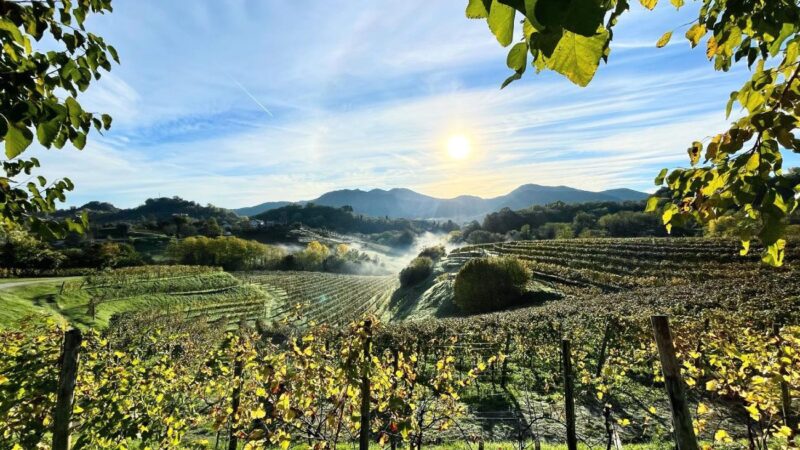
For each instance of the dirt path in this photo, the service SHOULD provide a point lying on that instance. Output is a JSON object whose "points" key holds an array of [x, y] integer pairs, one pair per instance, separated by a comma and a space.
{"points": [[14, 284]]}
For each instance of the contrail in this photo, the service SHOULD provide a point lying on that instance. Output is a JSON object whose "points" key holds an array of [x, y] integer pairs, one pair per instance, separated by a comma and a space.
{"points": [[252, 97]]}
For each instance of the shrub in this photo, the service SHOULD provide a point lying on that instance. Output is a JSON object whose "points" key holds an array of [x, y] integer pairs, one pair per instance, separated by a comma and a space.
{"points": [[435, 252], [487, 284], [417, 271]]}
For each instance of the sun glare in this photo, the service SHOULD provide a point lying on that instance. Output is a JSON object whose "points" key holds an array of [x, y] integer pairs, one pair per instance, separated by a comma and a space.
{"points": [[458, 146]]}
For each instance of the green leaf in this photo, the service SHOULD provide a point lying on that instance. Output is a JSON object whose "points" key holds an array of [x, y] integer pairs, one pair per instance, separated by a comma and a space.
{"points": [[528, 9], [79, 141], [114, 54], [773, 254], [106, 121], [518, 57], [13, 30], [695, 33], [501, 22], [577, 57], [660, 178], [18, 138], [46, 132], [664, 39], [512, 78], [584, 17], [475, 10]]}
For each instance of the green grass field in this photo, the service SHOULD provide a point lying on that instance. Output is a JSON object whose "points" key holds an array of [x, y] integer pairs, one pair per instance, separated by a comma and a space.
{"points": [[26, 300]]}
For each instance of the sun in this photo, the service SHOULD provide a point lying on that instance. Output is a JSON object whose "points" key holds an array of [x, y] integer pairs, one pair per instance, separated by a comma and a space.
{"points": [[458, 146]]}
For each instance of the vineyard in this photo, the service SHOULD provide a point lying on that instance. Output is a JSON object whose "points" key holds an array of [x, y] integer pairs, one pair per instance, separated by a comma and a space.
{"points": [[301, 378], [615, 264], [316, 297]]}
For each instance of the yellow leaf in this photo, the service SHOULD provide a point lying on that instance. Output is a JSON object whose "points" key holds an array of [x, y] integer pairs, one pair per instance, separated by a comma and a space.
{"points": [[722, 435], [711, 385], [753, 411], [652, 410], [695, 33], [649, 4], [711, 47], [259, 413], [785, 431], [702, 408], [664, 39]]}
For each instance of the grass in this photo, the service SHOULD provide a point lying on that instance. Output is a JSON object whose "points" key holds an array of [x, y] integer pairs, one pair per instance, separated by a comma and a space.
{"points": [[21, 301], [41, 297]]}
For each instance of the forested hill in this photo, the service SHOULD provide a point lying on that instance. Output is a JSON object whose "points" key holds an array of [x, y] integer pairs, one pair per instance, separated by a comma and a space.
{"points": [[152, 209], [345, 220], [405, 203]]}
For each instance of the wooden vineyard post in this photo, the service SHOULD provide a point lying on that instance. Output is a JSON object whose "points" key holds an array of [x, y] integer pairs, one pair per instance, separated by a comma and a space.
{"points": [[504, 367], [238, 372], [681, 419], [62, 416], [569, 394], [363, 436], [601, 358]]}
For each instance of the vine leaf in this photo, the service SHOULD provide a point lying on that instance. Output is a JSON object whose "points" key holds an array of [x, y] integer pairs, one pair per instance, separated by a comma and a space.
{"points": [[664, 39], [501, 22], [577, 57], [18, 138]]}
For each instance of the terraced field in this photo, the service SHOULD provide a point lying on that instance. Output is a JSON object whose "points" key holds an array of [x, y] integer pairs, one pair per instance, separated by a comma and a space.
{"points": [[615, 264], [323, 297]]}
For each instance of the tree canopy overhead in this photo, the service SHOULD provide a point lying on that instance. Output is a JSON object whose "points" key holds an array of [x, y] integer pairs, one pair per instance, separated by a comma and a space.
{"points": [[38, 96], [735, 173]]}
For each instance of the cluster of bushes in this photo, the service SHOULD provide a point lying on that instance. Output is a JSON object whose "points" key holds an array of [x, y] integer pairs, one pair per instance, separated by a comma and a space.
{"points": [[417, 271], [435, 252], [491, 284], [23, 254], [338, 259], [230, 253]]}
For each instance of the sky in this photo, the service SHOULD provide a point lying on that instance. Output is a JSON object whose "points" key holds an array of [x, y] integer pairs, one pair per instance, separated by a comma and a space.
{"points": [[238, 102]]}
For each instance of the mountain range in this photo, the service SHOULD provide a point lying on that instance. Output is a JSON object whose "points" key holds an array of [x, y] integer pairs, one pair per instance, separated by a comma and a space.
{"points": [[405, 203]]}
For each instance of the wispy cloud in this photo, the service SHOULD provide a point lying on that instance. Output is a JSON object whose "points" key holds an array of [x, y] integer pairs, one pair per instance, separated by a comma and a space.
{"points": [[244, 102]]}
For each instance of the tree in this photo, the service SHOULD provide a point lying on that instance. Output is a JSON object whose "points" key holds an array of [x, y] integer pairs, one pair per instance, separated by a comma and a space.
{"points": [[490, 284], [38, 94], [21, 251], [741, 173], [417, 271]]}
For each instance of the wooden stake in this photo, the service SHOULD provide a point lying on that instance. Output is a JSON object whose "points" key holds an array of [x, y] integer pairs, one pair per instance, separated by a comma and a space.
{"points": [[681, 419], [62, 416], [363, 436], [569, 395], [238, 373]]}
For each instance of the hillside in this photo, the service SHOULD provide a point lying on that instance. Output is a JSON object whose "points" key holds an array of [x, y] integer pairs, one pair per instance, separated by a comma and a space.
{"points": [[153, 209], [406, 203]]}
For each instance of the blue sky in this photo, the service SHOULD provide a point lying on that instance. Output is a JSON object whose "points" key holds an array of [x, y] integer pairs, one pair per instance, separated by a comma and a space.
{"points": [[240, 102]]}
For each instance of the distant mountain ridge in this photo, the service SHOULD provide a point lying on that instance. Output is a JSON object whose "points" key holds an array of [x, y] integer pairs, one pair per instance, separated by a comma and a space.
{"points": [[405, 203]]}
